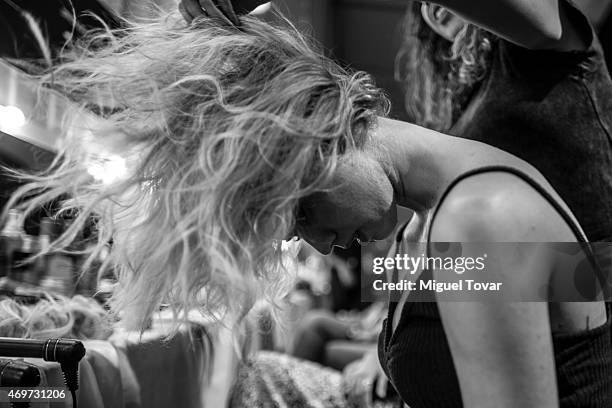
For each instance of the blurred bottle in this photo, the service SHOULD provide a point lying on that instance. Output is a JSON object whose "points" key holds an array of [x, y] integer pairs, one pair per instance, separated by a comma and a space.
{"points": [[18, 247], [14, 225], [10, 239], [46, 235], [23, 269]]}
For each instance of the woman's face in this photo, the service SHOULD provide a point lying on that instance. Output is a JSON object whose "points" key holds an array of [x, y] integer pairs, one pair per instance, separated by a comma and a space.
{"points": [[359, 204], [442, 21]]}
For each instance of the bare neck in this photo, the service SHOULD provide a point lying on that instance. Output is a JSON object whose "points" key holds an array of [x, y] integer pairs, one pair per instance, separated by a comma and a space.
{"points": [[421, 163]]}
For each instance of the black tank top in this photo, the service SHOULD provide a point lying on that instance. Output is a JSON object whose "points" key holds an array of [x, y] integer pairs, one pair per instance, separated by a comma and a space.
{"points": [[417, 359], [553, 110]]}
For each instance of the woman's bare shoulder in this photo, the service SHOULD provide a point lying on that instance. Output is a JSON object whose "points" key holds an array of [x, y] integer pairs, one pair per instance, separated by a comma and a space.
{"points": [[498, 207]]}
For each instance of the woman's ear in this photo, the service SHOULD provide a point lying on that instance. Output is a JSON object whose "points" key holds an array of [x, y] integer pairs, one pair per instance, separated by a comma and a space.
{"points": [[443, 22]]}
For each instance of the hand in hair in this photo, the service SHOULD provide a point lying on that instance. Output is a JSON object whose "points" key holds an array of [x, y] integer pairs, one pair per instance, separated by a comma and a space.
{"points": [[226, 10]]}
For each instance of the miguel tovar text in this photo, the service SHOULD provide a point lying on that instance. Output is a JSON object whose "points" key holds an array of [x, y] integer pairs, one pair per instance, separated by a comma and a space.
{"points": [[433, 285]]}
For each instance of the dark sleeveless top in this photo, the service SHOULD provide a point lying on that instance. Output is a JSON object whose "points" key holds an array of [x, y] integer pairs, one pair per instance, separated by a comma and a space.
{"points": [[553, 110], [417, 359]]}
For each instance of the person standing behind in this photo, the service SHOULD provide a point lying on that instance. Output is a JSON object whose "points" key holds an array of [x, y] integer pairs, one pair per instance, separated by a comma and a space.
{"points": [[526, 77]]}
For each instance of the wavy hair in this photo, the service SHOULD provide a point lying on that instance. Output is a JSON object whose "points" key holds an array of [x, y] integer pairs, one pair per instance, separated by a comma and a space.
{"points": [[77, 317], [438, 76], [220, 131]]}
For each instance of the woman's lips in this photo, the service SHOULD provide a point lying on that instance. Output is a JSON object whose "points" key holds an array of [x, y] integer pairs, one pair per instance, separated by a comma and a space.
{"points": [[359, 236]]}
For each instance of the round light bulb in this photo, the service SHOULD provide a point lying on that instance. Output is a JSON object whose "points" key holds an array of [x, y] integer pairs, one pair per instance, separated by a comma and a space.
{"points": [[11, 118], [262, 9]]}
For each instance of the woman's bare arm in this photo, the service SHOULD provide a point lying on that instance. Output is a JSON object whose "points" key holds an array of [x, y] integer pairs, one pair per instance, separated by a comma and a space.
{"points": [[502, 351], [535, 24]]}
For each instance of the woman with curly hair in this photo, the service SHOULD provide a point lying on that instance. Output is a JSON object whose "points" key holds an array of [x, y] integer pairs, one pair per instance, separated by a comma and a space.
{"points": [[236, 137], [544, 97]]}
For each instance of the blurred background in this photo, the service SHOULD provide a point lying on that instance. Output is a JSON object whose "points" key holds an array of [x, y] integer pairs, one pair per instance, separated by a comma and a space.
{"points": [[327, 321]]}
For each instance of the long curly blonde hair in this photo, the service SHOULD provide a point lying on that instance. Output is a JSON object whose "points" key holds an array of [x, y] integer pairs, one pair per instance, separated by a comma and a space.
{"points": [[438, 76], [221, 131], [77, 317]]}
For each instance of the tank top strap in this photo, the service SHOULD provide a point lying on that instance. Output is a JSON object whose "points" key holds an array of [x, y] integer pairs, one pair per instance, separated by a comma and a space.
{"points": [[573, 225], [554, 202], [577, 231]]}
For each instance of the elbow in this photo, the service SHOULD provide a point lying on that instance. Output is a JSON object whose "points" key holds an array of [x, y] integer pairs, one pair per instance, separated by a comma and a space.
{"points": [[547, 31], [546, 38]]}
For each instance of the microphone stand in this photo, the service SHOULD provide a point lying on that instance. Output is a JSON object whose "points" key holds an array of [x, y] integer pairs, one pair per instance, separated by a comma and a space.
{"points": [[68, 353]]}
